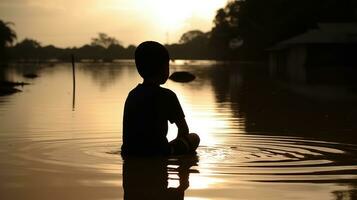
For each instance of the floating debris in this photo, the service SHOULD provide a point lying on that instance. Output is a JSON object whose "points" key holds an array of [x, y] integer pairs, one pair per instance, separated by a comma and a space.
{"points": [[30, 75], [8, 87], [182, 77], [8, 90]]}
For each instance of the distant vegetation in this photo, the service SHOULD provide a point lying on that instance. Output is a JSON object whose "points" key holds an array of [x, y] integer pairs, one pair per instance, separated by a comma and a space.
{"points": [[193, 45], [242, 30], [102, 47]]}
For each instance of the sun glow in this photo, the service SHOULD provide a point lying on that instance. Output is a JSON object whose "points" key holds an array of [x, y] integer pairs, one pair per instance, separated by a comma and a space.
{"points": [[67, 23], [173, 15]]}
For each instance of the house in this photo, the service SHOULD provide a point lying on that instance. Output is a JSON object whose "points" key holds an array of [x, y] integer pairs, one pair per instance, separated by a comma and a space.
{"points": [[327, 54]]}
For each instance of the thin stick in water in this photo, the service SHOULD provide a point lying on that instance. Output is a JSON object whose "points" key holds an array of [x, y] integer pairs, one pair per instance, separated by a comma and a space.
{"points": [[74, 82]]}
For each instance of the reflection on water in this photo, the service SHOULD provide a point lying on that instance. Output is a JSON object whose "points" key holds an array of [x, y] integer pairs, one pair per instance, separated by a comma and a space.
{"points": [[157, 178], [260, 139]]}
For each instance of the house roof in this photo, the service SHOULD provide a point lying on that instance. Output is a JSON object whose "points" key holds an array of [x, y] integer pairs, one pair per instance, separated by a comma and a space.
{"points": [[326, 33]]}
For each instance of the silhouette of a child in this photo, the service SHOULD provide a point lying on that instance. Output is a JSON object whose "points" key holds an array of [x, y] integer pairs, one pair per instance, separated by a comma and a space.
{"points": [[149, 107]]}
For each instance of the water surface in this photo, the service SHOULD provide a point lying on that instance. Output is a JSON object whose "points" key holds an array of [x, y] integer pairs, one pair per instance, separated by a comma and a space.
{"points": [[260, 139]]}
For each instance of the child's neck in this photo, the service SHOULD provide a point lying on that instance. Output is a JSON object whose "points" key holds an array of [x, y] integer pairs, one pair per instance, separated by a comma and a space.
{"points": [[150, 82]]}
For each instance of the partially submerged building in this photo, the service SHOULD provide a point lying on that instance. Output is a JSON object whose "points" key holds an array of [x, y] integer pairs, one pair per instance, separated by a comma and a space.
{"points": [[327, 54]]}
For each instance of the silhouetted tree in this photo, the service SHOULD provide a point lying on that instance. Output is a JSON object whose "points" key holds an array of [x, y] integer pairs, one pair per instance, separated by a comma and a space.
{"points": [[261, 24], [95, 52], [52, 52], [113, 51], [128, 53], [190, 36], [7, 37], [27, 49], [104, 40], [192, 45], [29, 43]]}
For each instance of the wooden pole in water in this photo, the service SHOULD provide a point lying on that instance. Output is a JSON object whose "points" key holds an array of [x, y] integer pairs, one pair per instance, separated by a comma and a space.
{"points": [[74, 82]]}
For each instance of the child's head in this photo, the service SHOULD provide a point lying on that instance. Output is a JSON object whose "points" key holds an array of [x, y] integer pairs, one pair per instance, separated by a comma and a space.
{"points": [[152, 61]]}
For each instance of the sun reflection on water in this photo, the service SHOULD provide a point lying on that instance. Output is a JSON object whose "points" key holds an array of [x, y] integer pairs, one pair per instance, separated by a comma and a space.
{"points": [[202, 114]]}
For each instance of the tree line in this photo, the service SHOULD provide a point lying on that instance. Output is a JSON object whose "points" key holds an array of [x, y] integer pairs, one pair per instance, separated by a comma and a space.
{"points": [[242, 30], [103, 48]]}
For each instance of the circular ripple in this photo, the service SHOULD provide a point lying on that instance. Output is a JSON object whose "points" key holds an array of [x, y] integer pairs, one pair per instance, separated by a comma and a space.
{"points": [[83, 153], [254, 158], [270, 158]]}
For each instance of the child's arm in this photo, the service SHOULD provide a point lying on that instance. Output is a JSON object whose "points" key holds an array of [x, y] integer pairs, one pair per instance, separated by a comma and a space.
{"points": [[182, 128]]}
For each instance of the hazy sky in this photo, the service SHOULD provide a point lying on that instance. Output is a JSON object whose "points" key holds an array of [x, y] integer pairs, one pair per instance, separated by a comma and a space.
{"points": [[74, 22]]}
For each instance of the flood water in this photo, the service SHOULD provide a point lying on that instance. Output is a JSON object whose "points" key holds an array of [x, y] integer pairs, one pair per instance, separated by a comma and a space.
{"points": [[260, 139]]}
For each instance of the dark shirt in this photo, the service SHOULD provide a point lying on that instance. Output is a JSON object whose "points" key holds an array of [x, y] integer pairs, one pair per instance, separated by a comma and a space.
{"points": [[146, 112]]}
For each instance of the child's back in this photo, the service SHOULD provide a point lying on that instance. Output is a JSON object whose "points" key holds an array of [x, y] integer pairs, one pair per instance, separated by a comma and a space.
{"points": [[149, 107], [147, 110]]}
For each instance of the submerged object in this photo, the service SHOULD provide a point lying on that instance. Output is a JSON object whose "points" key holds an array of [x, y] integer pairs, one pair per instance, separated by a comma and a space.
{"points": [[8, 87], [30, 75], [8, 90], [182, 77]]}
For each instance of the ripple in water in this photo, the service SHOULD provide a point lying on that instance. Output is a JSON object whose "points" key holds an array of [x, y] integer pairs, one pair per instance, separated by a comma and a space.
{"points": [[255, 158], [281, 159]]}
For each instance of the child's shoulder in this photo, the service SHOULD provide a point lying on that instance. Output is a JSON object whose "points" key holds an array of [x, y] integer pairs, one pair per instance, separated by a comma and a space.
{"points": [[168, 93], [152, 90], [166, 90]]}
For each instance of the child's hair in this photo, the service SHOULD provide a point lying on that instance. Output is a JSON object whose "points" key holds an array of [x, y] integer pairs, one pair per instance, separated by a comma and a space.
{"points": [[150, 56]]}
